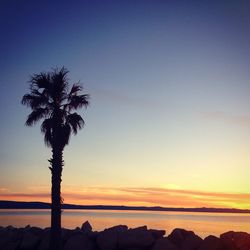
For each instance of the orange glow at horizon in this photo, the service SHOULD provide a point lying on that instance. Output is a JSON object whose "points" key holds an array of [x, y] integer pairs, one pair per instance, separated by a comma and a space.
{"points": [[139, 197]]}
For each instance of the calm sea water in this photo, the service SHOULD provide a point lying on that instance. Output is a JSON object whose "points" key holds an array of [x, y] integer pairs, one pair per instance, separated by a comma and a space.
{"points": [[202, 224]]}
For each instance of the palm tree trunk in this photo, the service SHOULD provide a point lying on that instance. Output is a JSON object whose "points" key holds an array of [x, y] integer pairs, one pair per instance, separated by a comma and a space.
{"points": [[56, 171]]}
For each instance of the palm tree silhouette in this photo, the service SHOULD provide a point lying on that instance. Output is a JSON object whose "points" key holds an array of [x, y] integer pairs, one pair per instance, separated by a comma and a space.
{"points": [[51, 99]]}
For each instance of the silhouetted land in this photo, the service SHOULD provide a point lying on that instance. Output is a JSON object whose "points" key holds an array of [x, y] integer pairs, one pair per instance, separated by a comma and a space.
{"points": [[43, 205]]}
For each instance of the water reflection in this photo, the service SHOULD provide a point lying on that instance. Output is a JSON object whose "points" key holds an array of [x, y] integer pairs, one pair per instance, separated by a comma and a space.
{"points": [[202, 224]]}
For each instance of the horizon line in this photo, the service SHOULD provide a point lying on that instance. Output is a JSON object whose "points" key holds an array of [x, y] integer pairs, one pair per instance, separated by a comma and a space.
{"points": [[126, 207]]}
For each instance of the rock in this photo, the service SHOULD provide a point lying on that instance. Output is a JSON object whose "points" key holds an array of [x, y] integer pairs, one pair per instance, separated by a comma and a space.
{"points": [[157, 234], [164, 244], [93, 235], [108, 239], [29, 241], [65, 235], [44, 243], [3, 237], [11, 246], [119, 228], [245, 248], [136, 248], [178, 236], [211, 242], [79, 242], [86, 227], [37, 231], [227, 240], [120, 238], [191, 242], [242, 240], [137, 237], [236, 240], [10, 238], [185, 240]]}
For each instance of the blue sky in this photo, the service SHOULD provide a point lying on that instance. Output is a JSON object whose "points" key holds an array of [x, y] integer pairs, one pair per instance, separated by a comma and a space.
{"points": [[169, 87]]}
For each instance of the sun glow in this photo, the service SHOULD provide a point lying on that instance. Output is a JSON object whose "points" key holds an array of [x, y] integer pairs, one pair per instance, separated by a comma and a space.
{"points": [[138, 197]]}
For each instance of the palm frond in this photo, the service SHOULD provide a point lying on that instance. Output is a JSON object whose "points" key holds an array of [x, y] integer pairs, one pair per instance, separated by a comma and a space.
{"points": [[34, 100], [78, 101], [40, 81], [75, 121], [46, 129], [60, 74], [75, 89], [60, 83], [36, 115]]}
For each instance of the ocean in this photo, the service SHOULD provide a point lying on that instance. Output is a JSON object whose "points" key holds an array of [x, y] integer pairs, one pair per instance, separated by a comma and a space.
{"points": [[203, 224]]}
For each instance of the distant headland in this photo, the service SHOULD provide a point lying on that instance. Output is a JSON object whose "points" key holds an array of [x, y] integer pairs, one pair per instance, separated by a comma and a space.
{"points": [[43, 205]]}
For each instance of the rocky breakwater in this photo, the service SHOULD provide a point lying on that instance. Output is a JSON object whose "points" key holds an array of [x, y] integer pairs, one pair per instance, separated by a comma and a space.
{"points": [[120, 238]]}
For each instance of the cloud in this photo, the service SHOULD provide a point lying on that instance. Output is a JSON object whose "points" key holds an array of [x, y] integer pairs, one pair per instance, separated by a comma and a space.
{"points": [[240, 120], [2, 189], [140, 196]]}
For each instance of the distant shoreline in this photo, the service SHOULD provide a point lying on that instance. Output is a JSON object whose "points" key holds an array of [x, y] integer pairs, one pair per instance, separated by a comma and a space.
{"points": [[43, 205]]}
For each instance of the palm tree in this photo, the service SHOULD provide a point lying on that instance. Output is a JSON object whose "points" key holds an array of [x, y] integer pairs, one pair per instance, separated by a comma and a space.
{"points": [[51, 100]]}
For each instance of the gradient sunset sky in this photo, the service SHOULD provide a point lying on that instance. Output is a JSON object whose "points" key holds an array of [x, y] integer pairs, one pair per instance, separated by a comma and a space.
{"points": [[169, 116]]}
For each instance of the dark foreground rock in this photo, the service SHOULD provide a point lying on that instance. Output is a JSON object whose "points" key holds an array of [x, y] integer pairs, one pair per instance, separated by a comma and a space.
{"points": [[120, 238], [185, 240], [212, 242], [78, 242], [135, 238], [236, 240], [108, 239], [163, 244]]}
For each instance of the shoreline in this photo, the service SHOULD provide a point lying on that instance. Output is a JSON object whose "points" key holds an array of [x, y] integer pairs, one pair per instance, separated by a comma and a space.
{"points": [[4, 204], [120, 238]]}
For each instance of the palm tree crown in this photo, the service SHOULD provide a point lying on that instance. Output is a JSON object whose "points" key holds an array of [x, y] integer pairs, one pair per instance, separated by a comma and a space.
{"points": [[51, 99]]}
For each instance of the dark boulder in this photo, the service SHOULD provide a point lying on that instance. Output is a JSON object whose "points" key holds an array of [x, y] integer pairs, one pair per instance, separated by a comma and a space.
{"points": [[79, 242], [108, 239], [157, 234], [11, 246], [44, 243], [164, 244], [37, 231], [137, 238], [3, 237], [29, 241], [10, 238], [191, 242], [185, 240], [178, 236], [66, 233], [86, 227], [212, 243], [236, 240]]}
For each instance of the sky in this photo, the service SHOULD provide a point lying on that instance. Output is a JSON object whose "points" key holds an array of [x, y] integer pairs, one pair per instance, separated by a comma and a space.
{"points": [[169, 117]]}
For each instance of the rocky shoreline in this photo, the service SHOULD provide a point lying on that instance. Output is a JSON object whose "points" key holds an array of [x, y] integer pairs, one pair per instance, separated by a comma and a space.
{"points": [[120, 238]]}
